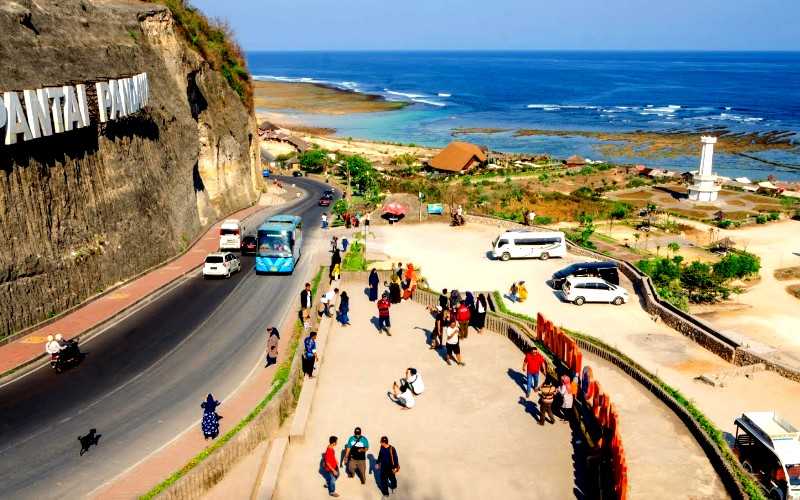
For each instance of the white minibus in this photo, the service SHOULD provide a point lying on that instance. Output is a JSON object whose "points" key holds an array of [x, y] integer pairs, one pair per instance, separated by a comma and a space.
{"points": [[230, 235], [529, 245]]}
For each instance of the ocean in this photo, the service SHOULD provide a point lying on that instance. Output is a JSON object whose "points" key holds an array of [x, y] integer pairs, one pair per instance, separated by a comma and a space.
{"points": [[583, 91]]}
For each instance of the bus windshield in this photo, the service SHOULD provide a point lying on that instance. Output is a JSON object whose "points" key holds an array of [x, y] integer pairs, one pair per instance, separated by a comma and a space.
{"points": [[274, 245]]}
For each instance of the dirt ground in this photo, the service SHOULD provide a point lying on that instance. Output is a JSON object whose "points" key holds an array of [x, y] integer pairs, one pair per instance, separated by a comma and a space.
{"points": [[457, 257]]}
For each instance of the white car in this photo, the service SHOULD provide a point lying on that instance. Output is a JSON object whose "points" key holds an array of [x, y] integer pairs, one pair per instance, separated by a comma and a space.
{"points": [[579, 290], [221, 264]]}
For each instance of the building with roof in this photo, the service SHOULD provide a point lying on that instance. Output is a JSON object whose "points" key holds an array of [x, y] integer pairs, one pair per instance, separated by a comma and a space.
{"points": [[575, 161], [458, 157]]}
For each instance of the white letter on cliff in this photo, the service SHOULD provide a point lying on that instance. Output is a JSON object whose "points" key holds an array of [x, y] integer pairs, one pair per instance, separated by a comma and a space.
{"points": [[134, 95], [2, 114], [72, 115], [83, 105], [124, 96], [116, 103], [56, 93], [104, 100], [38, 109], [144, 89], [17, 123]]}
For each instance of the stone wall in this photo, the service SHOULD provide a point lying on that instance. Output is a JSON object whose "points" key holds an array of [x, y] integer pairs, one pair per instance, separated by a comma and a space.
{"points": [[83, 210]]}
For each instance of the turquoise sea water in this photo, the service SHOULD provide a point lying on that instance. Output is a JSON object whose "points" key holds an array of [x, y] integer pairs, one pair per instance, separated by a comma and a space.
{"points": [[598, 91]]}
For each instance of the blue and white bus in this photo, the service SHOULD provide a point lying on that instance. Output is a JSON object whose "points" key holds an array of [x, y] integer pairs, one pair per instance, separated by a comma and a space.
{"points": [[279, 242]]}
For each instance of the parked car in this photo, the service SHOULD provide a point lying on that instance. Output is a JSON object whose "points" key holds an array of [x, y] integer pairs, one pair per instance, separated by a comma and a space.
{"points": [[588, 289], [606, 270], [324, 201], [221, 264], [249, 244], [297, 173]]}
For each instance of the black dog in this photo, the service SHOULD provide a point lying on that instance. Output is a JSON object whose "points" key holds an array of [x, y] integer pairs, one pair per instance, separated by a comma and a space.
{"points": [[93, 438]]}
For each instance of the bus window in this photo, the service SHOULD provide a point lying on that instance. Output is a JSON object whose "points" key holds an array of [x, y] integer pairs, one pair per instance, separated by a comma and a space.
{"points": [[274, 245]]}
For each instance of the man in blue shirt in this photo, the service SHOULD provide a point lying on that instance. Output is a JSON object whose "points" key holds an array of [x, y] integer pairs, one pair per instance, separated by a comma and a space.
{"points": [[388, 465], [355, 455], [309, 354]]}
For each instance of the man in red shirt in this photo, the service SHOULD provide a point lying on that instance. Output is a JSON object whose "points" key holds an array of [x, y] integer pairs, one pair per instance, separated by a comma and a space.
{"points": [[383, 314], [331, 466], [462, 316], [532, 364]]}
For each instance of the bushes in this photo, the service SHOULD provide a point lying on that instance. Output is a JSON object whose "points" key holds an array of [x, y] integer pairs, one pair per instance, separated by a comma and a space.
{"points": [[737, 265], [313, 160], [543, 220], [355, 259], [214, 41]]}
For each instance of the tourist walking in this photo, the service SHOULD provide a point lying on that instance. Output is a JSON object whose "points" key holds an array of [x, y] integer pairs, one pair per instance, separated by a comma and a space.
{"points": [[272, 346], [399, 271], [309, 354], [330, 466], [324, 221], [532, 364], [335, 273], [210, 422], [436, 332], [455, 299], [462, 316], [469, 300], [374, 280], [444, 299], [344, 309], [547, 394], [306, 304], [452, 344], [336, 258], [479, 318], [384, 323], [355, 455], [567, 399], [410, 282], [394, 289], [345, 243], [388, 466]]}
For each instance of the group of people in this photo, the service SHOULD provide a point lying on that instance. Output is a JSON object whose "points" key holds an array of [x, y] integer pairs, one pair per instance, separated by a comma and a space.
{"points": [[518, 292], [387, 463], [454, 315], [401, 285], [534, 366]]}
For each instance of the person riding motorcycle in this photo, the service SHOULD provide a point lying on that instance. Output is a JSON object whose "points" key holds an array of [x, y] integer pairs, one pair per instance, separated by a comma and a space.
{"points": [[52, 346]]}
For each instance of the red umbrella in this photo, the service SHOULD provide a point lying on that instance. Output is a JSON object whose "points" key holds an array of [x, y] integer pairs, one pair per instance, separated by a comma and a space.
{"points": [[395, 208]]}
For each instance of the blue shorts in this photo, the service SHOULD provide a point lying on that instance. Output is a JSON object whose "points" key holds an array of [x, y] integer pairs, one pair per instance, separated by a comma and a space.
{"points": [[384, 322]]}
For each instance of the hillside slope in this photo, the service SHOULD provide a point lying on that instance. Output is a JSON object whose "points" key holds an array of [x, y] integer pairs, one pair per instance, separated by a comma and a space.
{"points": [[82, 210]]}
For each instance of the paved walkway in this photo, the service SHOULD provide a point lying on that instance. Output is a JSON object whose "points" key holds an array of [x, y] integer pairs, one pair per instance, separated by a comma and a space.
{"points": [[471, 434], [27, 348]]}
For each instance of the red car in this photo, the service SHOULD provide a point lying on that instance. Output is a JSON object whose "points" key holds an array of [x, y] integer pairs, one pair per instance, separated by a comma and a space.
{"points": [[324, 201]]}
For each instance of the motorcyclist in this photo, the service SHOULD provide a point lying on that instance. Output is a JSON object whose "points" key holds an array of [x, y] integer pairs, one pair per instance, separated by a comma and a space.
{"points": [[67, 346], [52, 346]]}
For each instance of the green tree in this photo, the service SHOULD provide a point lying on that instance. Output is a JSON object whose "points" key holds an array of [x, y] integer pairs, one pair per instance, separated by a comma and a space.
{"points": [[737, 265], [674, 247], [362, 175], [313, 160], [340, 207]]}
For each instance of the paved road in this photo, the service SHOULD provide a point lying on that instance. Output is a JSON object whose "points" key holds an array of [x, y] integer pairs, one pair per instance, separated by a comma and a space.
{"points": [[143, 380]]}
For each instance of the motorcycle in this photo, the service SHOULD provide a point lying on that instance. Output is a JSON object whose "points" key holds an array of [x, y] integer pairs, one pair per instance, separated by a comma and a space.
{"points": [[68, 356], [457, 220]]}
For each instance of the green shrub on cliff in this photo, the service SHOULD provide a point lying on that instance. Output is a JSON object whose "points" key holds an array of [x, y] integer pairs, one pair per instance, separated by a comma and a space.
{"points": [[215, 42]]}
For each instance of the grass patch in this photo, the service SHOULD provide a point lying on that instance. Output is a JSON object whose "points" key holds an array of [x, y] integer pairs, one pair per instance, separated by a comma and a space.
{"points": [[278, 381], [214, 41], [751, 488], [788, 273]]}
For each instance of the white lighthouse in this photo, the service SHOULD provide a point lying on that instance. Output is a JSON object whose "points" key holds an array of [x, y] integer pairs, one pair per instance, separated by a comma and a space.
{"points": [[705, 182]]}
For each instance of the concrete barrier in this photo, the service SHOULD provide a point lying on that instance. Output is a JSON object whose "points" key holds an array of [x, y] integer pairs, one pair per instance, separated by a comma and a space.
{"points": [[269, 477]]}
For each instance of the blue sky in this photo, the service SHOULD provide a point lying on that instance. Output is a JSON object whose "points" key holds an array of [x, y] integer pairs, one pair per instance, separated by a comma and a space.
{"points": [[511, 24]]}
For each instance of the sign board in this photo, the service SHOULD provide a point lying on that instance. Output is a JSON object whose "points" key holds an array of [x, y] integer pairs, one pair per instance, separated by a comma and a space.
{"points": [[53, 110], [435, 208]]}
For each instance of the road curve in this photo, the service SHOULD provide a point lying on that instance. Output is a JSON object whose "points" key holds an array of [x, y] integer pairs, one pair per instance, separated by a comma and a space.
{"points": [[143, 380]]}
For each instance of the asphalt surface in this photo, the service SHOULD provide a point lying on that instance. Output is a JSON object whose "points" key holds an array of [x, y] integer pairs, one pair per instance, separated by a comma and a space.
{"points": [[142, 381]]}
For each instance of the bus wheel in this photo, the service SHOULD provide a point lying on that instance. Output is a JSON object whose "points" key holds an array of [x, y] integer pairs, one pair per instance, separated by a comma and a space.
{"points": [[544, 256], [505, 257]]}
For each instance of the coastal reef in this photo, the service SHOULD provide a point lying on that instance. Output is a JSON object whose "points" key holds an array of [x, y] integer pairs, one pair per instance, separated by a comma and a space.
{"points": [[318, 98], [88, 208]]}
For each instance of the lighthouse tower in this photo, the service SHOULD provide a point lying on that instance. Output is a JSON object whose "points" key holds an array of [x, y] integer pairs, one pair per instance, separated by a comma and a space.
{"points": [[705, 182]]}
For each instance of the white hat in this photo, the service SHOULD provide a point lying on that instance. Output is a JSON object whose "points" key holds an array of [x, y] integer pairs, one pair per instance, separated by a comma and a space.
{"points": [[58, 336], [49, 338]]}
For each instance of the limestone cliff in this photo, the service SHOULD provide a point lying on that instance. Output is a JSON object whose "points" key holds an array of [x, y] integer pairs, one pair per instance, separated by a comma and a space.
{"points": [[85, 209]]}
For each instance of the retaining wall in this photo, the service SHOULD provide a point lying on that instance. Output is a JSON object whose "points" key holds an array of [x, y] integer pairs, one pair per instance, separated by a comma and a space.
{"points": [[699, 331]]}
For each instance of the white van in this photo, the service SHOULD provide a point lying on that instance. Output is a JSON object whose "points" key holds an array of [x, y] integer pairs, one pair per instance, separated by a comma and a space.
{"points": [[529, 245], [230, 235]]}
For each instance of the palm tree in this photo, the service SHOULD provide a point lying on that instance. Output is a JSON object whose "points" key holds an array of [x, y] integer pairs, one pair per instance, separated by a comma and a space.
{"points": [[673, 247]]}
